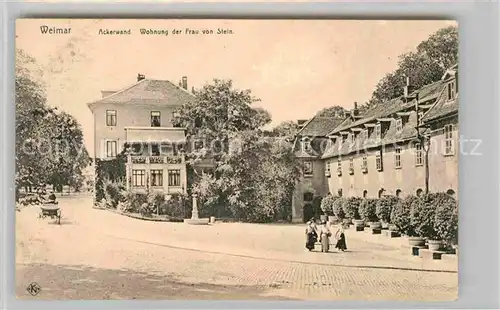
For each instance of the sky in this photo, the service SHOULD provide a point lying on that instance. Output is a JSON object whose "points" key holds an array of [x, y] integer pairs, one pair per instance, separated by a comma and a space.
{"points": [[296, 67]]}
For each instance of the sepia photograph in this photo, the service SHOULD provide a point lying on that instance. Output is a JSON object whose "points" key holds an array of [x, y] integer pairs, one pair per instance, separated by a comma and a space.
{"points": [[227, 159]]}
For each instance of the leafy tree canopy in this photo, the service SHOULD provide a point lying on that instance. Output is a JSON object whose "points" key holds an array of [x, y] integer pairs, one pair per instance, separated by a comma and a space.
{"points": [[425, 66]]}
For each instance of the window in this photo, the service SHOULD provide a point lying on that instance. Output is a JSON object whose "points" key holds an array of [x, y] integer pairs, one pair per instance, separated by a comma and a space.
{"points": [[451, 193], [398, 193], [378, 131], [351, 165], [307, 145], [418, 155], [308, 196], [381, 193], [174, 177], [110, 148], [157, 177], [167, 149], [399, 125], [138, 177], [353, 138], [339, 192], [378, 162], [110, 117], [397, 158], [339, 166], [419, 192], [365, 193], [365, 134], [364, 164], [327, 168], [451, 90], [308, 169], [155, 149], [155, 119], [448, 140]]}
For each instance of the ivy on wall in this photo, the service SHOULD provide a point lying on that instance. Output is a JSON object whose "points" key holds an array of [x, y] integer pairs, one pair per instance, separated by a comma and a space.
{"points": [[112, 170]]}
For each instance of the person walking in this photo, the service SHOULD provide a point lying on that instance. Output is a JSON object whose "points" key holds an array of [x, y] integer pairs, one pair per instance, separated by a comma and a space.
{"points": [[311, 235], [340, 236], [325, 234]]}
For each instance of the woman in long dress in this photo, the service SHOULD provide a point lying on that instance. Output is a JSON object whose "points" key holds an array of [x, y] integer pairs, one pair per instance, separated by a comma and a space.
{"points": [[325, 235], [311, 235], [340, 236]]}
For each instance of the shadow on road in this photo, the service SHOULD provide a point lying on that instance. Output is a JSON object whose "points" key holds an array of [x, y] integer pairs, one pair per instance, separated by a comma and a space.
{"points": [[83, 282]]}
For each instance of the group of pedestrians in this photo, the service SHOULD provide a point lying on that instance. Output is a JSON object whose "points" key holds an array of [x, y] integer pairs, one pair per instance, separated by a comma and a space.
{"points": [[322, 233]]}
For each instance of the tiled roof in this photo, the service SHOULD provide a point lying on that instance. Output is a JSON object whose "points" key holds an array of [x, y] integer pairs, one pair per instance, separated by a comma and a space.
{"points": [[427, 93], [319, 126], [149, 91], [443, 107]]}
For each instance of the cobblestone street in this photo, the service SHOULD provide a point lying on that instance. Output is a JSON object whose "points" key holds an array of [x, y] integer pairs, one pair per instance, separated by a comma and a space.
{"points": [[96, 254]]}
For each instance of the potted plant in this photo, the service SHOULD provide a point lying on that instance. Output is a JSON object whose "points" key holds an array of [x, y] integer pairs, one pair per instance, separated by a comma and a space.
{"points": [[368, 213], [400, 216], [422, 218], [337, 208], [384, 209], [351, 208], [327, 207], [446, 218]]}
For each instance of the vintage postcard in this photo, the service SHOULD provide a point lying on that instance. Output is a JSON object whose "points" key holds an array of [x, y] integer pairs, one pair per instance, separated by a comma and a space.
{"points": [[237, 159]]}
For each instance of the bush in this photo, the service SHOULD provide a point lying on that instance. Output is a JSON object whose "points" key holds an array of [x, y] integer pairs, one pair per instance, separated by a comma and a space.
{"points": [[368, 210], [327, 204], [155, 200], [400, 215], [112, 193], [351, 207], [384, 207], [146, 210], [337, 208], [174, 207], [422, 217], [446, 219]]}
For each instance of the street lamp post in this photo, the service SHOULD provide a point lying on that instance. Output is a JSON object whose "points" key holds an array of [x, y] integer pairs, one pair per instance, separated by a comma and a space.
{"points": [[422, 139]]}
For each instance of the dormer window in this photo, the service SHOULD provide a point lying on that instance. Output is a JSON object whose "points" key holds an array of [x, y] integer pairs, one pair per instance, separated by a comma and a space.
{"points": [[399, 125], [451, 90], [306, 145]]}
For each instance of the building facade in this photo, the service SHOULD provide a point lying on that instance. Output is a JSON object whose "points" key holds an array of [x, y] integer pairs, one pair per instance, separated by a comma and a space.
{"points": [[140, 117], [408, 145]]}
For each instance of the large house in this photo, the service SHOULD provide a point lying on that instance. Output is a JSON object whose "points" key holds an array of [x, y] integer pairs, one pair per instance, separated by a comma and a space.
{"points": [[382, 151], [140, 117]]}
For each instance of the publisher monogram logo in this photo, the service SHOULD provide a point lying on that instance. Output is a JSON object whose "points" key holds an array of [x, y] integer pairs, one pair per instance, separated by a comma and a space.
{"points": [[34, 289]]}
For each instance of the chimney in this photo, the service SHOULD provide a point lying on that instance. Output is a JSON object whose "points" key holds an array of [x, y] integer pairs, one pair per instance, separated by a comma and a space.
{"points": [[407, 88], [140, 77], [355, 111], [185, 82]]}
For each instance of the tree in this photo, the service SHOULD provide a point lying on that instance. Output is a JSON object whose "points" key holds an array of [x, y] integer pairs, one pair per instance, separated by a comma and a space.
{"points": [[335, 111], [49, 144], [425, 66], [286, 129], [254, 175]]}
